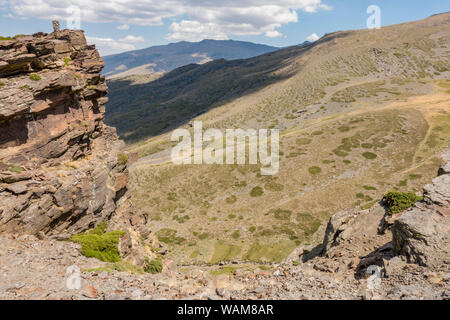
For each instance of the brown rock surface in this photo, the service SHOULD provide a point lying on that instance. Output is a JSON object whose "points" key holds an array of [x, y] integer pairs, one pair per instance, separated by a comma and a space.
{"points": [[59, 173]]}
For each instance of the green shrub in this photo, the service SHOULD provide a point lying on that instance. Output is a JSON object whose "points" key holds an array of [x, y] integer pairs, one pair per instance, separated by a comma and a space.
{"points": [[399, 201], [369, 155], [315, 170], [2, 84], [35, 77], [5, 38], [98, 244], [122, 158], [235, 234], [256, 192], [155, 266], [66, 61]]}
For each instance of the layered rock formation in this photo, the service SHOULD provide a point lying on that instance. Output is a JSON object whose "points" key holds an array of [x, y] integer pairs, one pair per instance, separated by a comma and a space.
{"points": [[61, 168], [422, 233]]}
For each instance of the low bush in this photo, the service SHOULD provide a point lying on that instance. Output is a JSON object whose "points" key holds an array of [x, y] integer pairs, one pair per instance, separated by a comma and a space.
{"points": [[399, 201]]}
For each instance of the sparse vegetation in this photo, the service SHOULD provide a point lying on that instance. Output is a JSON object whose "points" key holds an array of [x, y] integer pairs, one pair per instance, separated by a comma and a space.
{"points": [[15, 168], [257, 192], [399, 201], [98, 244], [369, 155], [122, 158], [154, 266], [315, 170], [35, 77]]}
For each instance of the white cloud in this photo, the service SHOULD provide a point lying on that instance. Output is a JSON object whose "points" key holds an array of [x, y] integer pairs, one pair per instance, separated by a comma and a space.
{"points": [[273, 34], [192, 19], [195, 31], [123, 27], [313, 37], [132, 39], [108, 46]]}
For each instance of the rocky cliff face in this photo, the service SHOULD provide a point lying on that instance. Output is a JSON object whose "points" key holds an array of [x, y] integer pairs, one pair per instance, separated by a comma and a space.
{"points": [[61, 167]]}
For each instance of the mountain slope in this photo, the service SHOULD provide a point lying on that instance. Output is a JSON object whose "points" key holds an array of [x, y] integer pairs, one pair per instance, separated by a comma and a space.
{"points": [[168, 57], [360, 113], [144, 110]]}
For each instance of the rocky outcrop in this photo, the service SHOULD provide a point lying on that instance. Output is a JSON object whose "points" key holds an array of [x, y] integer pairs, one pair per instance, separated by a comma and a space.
{"points": [[422, 234], [354, 240], [60, 169]]}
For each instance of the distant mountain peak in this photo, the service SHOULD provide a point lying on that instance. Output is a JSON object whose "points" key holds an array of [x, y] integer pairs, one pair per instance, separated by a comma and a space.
{"points": [[165, 58]]}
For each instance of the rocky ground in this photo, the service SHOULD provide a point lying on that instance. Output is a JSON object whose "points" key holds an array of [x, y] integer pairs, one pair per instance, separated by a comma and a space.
{"points": [[364, 255]]}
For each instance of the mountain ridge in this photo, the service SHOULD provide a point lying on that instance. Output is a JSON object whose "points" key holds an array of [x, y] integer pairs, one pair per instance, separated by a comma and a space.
{"points": [[163, 58]]}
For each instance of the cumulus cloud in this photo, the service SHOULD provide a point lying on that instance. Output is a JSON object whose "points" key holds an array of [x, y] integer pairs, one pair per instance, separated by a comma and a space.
{"points": [[132, 39], [108, 46], [123, 27], [195, 31], [192, 19], [313, 37], [273, 34]]}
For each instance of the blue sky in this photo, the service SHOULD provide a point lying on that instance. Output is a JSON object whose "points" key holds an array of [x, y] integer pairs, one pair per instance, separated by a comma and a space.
{"points": [[122, 25]]}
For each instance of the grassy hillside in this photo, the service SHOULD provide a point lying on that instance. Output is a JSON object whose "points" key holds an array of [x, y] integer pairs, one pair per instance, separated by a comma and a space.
{"points": [[360, 113]]}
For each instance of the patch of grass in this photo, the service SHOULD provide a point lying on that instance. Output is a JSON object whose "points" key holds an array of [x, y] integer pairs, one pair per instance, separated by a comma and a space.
{"points": [[155, 266], [66, 61], [5, 38], [282, 214], [15, 168], [235, 234], [344, 129], [224, 252], [256, 192], [415, 176], [125, 266], [2, 84], [340, 153], [269, 252], [122, 158], [369, 155], [399, 201], [273, 186], [308, 223], [35, 77], [369, 188], [203, 236], [225, 270], [314, 170], [98, 244], [231, 199], [168, 236], [303, 141], [367, 145], [317, 133]]}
